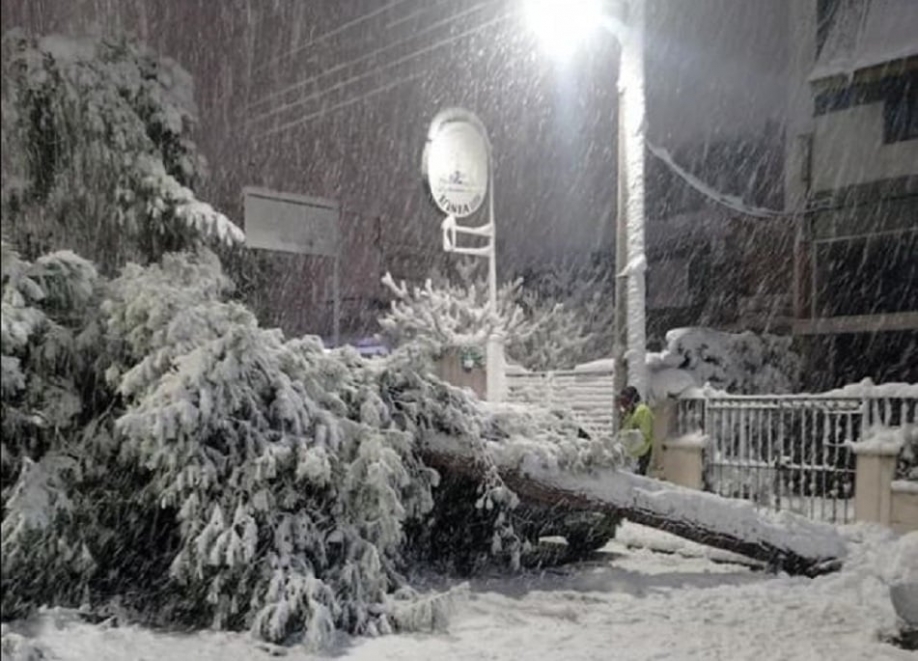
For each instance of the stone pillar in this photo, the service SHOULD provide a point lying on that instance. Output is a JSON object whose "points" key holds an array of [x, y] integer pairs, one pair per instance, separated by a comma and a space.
{"points": [[455, 368], [903, 516], [874, 473], [664, 424], [683, 460]]}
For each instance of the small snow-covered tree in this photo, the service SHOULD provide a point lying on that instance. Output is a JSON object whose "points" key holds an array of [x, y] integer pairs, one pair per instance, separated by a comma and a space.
{"points": [[438, 316], [585, 291], [97, 152]]}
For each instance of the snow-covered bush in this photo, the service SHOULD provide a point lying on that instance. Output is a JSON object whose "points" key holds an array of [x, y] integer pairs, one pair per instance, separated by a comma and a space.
{"points": [[738, 363], [49, 340], [50, 345], [97, 152], [742, 363], [586, 294]]}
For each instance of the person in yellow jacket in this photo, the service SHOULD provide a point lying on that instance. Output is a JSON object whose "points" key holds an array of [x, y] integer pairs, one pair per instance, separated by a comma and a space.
{"points": [[637, 418]]}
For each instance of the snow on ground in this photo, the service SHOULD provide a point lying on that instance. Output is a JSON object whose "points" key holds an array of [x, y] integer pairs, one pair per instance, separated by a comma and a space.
{"points": [[629, 602]]}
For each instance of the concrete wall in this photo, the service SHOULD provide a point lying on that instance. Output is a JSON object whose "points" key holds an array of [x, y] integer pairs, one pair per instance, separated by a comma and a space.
{"points": [[800, 107], [848, 149], [847, 145], [903, 507]]}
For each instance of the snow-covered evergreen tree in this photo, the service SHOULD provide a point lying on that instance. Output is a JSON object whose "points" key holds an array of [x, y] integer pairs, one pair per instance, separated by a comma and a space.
{"points": [[96, 157], [223, 475], [50, 341], [97, 152], [163, 455]]}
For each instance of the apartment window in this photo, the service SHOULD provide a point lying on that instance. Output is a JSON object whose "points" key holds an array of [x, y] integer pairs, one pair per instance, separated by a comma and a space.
{"points": [[825, 14], [898, 94], [900, 112]]}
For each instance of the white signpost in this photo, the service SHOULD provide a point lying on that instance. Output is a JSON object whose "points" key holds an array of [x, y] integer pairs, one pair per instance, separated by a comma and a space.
{"points": [[297, 224], [457, 167]]}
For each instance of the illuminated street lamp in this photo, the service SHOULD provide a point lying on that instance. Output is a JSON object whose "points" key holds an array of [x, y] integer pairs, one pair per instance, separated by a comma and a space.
{"points": [[561, 27]]}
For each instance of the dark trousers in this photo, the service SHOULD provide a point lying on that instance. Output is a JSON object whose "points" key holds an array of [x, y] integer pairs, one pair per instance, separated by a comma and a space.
{"points": [[644, 463]]}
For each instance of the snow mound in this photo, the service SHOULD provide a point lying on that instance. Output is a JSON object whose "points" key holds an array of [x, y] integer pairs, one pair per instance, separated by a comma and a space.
{"points": [[882, 440], [741, 363]]}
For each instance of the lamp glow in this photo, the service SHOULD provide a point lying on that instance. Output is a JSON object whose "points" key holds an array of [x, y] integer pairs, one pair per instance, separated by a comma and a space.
{"points": [[562, 25]]}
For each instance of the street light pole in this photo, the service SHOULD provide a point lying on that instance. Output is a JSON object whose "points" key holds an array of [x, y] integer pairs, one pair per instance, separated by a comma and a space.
{"points": [[620, 318], [562, 24], [632, 125], [629, 347]]}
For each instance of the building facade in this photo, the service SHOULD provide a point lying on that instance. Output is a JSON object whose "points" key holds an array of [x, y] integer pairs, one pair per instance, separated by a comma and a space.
{"points": [[851, 182]]}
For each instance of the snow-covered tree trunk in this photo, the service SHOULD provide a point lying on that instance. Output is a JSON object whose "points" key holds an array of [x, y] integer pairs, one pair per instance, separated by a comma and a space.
{"points": [[787, 542]]}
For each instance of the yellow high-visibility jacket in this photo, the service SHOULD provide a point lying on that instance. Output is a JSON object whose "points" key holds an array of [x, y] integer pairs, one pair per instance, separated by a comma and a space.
{"points": [[641, 418]]}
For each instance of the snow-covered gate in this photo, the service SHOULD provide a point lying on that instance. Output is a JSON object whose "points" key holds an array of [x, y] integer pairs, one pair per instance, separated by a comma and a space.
{"points": [[589, 395], [789, 452]]}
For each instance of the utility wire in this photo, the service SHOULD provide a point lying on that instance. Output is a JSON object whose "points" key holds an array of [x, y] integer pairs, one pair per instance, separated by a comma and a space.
{"points": [[401, 60], [730, 201], [366, 56], [329, 33]]}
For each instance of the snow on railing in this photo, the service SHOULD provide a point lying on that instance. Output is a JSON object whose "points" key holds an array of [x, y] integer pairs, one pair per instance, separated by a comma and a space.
{"points": [[783, 452], [792, 451]]}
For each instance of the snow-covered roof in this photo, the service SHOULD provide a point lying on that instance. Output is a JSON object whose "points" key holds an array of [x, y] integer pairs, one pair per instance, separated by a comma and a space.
{"points": [[867, 34]]}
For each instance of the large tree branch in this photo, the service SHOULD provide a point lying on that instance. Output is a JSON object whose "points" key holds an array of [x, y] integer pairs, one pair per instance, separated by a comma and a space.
{"points": [[785, 541]]}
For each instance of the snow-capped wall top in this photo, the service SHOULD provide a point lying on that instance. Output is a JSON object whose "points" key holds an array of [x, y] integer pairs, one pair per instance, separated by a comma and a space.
{"points": [[882, 440], [733, 362], [867, 34]]}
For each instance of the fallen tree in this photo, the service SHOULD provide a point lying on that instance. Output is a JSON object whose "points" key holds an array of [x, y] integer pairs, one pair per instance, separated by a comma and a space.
{"points": [[784, 541]]}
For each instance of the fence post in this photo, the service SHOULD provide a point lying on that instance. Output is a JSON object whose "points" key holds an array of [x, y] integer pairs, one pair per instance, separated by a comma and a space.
{"points": [[664, 426], [449, 368], [683, 460], [875, 470], [677, 458]]}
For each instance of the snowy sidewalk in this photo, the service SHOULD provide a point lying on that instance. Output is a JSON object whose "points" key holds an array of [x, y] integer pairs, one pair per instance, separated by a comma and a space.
{"points": [[628, 603]]}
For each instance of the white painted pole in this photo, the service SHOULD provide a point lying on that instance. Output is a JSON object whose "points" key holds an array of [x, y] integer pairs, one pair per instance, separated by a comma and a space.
{"points": [[620, 320], [631, 82], [336, 304], [494, 357]]}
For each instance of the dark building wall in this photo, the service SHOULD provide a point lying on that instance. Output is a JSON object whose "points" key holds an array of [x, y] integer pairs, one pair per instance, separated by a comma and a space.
{"points": [[332, 99]]}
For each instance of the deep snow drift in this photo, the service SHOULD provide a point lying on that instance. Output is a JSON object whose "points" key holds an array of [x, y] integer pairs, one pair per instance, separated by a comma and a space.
{"points": [[630, 602]]}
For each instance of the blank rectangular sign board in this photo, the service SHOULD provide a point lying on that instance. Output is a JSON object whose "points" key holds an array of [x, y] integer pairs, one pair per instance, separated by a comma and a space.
{"points": [[290, 223]]}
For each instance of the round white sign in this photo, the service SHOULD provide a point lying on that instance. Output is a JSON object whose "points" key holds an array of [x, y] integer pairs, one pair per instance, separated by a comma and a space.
{"points": [[457, 167]]}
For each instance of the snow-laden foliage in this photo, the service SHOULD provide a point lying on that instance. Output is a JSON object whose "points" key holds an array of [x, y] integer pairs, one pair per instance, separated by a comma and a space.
{"points": [[741, 363], [97, 151], [738, 363], [439, 316], [48, 342], [290, 483], [219, 474], [585, 293]]}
